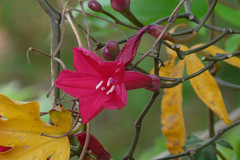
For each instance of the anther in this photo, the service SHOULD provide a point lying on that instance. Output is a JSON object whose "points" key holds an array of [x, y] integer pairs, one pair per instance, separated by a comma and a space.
{"points": [[110, 80], [99, 84], [111, 90]]}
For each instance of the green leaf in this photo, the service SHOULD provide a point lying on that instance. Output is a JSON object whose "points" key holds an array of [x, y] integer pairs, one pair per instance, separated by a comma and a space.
{"points": [[192, 141], [224, 143], [207, 153], [232, 43], [228, 14]]}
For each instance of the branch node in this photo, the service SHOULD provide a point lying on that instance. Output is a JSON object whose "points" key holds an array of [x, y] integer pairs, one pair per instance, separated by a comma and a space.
{"points": [[230, 31], [191, 17], [229, 55]]}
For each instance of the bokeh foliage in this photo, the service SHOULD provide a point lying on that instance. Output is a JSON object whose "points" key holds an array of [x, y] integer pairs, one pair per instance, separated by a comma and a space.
{"points": [[23, 24]]}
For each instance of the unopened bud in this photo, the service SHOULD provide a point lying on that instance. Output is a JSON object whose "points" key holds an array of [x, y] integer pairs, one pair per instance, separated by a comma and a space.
{"points": [[113, 47], [94, 5], [120, 5], [109, 56], [156, 30]]}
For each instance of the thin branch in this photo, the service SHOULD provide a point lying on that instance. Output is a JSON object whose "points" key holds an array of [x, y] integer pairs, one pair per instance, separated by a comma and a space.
{"points": [[220, 154], [117, 21], [84, 150], [55, 19], [138, 124], [67, 133], [211, 16], [181, 54], [45, 54], [131, 17], [63, 25], [125, 36], [227, 84], [69, 18], [211, 42], [171, 20], [206, 16], [86, 22], [187, 7], [221, 56], [180, 80], [203, 145]]}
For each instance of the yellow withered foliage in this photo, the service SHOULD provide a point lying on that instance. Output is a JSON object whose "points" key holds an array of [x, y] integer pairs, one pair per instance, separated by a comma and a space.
{"points": [[206, 87], [212, 50], [21, 128], [172, 117]]}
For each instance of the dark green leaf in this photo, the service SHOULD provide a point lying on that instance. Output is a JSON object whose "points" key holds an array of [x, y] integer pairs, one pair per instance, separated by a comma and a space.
{"points": [[192, 140], [224, 143], [207, 153]]}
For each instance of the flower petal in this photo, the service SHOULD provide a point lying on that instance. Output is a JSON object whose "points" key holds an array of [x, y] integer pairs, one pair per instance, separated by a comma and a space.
{"points": [[118, 98], [90, 106], [129, 49], [4, 149], [94, 146], [77, 84], [86, 62]]}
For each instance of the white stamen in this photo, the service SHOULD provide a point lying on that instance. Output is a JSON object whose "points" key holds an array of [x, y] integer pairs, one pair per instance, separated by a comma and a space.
{"points": [[109, 82], [99, 84], [111, 90], [103, 88]]}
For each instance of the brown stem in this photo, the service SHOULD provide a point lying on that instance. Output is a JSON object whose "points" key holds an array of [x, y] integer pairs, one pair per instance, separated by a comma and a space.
{"points": [[55, 19], [84, 150], [182, 40], [128, 14], [171, 20], [138, 125], [67, 133]]}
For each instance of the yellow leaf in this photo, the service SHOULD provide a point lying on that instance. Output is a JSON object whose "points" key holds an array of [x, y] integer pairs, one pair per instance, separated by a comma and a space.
{"points": [[212, 50], [22, 130], [206, 88], [172, 117]]}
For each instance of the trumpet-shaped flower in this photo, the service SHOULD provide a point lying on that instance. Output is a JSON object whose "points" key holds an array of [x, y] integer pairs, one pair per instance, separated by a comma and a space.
{"points": [[99, 84]]}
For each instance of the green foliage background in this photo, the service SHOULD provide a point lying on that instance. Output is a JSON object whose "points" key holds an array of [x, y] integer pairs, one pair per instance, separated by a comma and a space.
{"points": [[23, 24]]}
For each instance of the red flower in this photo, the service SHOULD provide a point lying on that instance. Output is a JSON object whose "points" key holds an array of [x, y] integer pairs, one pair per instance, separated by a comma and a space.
{"points": [[97, 84], [94, 146]]}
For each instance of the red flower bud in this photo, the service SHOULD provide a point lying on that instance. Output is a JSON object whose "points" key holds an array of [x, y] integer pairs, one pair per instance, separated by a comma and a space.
{"points": [[156, 30], [113, 47], [94, 5], [109, 56], [120, 5]]}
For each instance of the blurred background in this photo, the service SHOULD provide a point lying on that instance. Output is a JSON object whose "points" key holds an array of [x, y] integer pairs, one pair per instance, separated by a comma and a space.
{"points": [[24, 24]]}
